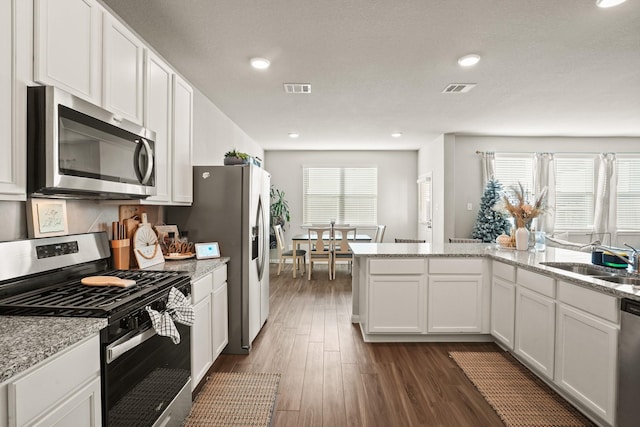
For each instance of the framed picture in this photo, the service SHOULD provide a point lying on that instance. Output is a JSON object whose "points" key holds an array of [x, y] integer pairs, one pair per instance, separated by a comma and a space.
{"points": [[46, 218]]}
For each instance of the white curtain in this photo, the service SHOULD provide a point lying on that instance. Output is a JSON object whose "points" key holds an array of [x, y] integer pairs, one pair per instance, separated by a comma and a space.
{"points": [[544, 177], [488, 167], [605, 215]]}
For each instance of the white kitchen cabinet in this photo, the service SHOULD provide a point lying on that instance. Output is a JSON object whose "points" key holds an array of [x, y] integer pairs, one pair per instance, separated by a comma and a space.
{"points": [[586, 349], [503, 303], [454, 300], [209, 333], [182, 141], [157, 117], [535, 330], [123, 61], [62, 390], [67, 46], [12, 152]]}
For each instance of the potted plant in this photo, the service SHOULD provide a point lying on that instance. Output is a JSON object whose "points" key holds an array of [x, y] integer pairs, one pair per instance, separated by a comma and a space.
{"points": [[279, 211], [234, 157]]}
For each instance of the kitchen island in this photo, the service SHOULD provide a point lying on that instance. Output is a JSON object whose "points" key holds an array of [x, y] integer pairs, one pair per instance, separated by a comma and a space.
{"points": [[562, 325]]}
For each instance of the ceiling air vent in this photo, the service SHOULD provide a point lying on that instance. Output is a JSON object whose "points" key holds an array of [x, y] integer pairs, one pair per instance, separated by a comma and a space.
{"points": [[459, 87], [297, 87]]}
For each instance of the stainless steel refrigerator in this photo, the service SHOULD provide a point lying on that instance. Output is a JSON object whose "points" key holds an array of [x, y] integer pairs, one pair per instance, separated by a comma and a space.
{"points": [[231, 207]]}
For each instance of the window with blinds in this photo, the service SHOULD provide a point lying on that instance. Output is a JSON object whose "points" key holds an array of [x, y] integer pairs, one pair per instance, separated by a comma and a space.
{"points": [[628, 193], [575, 189], [512, 168], [348, 195]]}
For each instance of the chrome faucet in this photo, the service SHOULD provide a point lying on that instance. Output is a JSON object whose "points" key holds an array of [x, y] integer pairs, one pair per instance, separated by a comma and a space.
{"points": [[632, 260]]}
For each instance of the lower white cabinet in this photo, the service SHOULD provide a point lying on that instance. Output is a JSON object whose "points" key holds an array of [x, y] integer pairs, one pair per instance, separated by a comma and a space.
{"points": [[503, 311], [396, 303], [535, 330], [63, 390], [454, 304], [209, 333]]}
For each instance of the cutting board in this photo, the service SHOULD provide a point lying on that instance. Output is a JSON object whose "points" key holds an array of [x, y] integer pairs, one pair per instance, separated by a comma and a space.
{"points": [[107, 281]]}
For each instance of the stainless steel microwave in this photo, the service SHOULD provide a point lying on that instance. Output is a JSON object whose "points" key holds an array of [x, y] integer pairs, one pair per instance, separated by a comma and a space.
{"points": [[76, 149]]}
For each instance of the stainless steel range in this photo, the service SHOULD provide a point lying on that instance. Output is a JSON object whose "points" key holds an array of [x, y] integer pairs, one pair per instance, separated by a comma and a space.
{"points": [[146, 379]]}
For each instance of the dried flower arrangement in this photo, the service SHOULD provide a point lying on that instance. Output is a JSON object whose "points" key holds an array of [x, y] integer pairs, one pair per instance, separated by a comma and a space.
{"points": [[520, 209]]}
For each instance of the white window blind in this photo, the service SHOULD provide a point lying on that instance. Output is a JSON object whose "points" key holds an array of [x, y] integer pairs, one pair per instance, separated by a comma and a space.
{"points": [[511, 169], [628, 193], [575, 189], [348, 195]]}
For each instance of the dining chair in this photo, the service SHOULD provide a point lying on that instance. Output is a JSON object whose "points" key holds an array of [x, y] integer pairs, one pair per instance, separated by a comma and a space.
{"points": [[410, 241], [379, 233], [463, 240], [319, 248], [284, 253], [341, 250]]}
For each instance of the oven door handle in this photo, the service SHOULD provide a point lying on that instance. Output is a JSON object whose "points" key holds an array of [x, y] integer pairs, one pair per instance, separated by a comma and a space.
{"points": [[115, 351]]}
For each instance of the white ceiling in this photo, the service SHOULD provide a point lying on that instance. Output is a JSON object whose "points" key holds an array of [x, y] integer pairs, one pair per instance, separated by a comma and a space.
{"points": [[549, 67]]}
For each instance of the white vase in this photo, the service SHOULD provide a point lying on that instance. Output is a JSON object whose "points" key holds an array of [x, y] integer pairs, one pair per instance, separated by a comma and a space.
{"points": [[522, 239]]}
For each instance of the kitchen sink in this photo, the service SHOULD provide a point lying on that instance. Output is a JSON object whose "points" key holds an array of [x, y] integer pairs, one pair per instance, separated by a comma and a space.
{"points": [[623, 280], [584, 269]]}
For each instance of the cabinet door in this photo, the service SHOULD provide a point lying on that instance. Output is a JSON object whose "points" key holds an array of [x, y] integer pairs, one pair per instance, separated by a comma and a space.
{"points": [[220, 326], [201, 344], [535, 330], [81, 409], [396, 304], [122, 76], [182, 136], [68, 43], [157, 108], [586, 352], [503, 308], [454, 303]]}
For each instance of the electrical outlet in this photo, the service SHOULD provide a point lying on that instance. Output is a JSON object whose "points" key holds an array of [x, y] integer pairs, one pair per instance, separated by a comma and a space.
{"points": [[469, 206]]}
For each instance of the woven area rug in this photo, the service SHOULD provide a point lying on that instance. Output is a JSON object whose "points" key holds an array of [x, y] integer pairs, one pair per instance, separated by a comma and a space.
{"points": [[517, 395], [235, 399]]}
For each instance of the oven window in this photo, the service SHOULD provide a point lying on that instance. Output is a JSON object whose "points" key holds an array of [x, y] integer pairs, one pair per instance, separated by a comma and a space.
{"points": [[140, 384], [91, 148]]}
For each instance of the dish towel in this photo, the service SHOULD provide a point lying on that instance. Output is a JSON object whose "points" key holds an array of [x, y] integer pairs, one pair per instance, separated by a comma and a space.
{"points": [[163, 324], [180, 308]]}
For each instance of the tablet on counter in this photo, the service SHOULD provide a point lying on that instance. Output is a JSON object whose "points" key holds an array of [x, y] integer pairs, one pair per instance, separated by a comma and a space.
{"points": [[207, 250]]}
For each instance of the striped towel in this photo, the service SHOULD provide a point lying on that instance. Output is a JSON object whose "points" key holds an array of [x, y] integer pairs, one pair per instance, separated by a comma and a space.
{"points": [[180, 308], [163, 324]]}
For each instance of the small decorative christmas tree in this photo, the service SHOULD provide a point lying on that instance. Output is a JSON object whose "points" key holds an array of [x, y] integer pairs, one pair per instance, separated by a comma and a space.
{"points": [[490, 223]]}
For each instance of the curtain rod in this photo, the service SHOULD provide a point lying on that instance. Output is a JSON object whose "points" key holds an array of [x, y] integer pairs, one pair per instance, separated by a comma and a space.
{"points": [[546, 152]]}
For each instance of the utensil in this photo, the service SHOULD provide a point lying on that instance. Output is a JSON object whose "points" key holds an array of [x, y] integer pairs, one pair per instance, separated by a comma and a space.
{"points": [[107, 281]]}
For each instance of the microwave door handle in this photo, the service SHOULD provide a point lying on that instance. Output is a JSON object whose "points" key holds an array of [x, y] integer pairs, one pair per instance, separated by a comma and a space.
{"points": [[147, 148]]}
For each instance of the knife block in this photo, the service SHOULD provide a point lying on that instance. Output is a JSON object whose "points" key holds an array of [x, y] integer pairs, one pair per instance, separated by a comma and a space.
{"points": [[120, 250]]}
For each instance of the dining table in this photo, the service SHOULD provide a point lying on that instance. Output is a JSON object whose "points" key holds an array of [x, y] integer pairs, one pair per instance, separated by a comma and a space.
{"points": [[299, 239]]}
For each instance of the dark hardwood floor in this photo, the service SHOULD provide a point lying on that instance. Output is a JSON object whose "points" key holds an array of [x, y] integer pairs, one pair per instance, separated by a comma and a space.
{"points": [[330, 377]]}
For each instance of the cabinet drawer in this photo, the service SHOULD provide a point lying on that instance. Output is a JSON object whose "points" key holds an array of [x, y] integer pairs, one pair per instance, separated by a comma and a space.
{"points": [[219, 277], [537, 282], [504, 271], [593, 302], [396, 266], [455, 266], [54, 379], [201, 288]]}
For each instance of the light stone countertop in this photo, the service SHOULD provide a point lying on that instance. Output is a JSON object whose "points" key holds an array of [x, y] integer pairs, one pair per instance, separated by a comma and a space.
{"points": [[28, 340], [528, 260]]}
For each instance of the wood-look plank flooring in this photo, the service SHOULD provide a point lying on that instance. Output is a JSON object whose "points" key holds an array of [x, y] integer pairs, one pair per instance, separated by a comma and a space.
{"points": [[330, 377]]}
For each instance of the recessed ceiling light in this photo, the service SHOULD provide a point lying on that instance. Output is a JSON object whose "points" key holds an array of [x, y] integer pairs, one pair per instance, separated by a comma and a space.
{"points": [[293, 135], [260, 63], [396, 134], [609, 3], [469, 60]]}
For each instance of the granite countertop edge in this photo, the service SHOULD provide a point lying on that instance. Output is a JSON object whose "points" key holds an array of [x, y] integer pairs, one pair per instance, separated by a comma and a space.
{"points": [[26, 341]]}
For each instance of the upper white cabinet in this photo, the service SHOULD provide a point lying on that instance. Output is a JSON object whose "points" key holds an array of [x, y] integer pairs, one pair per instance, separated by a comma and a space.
{"points": [[67, 46], [158, 103], [12, 153], [123, 60], [182, 141]]}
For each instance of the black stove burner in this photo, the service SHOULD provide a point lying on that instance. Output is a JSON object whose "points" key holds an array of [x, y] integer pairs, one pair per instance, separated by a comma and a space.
{"points": [[73, 299]]}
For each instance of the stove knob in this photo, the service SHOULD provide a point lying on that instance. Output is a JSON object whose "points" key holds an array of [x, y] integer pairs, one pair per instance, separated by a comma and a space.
{"points": [[162, 305], [129, 323]]}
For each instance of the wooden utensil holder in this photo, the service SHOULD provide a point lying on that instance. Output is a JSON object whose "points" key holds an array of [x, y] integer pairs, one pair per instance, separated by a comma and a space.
{"points": [[120, 250]]}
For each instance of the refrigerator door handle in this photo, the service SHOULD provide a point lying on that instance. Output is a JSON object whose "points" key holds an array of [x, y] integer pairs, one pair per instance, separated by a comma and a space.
{"points": [[261, 235]]}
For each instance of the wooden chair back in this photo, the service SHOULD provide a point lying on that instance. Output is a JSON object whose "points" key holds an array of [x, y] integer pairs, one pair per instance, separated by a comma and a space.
{"points": [[341, 239], [379, 233], [410, 241]]}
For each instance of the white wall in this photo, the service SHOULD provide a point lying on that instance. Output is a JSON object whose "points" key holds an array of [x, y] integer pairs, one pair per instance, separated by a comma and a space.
{"points": [[214, 134], [467, 184], [397, 188]]}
